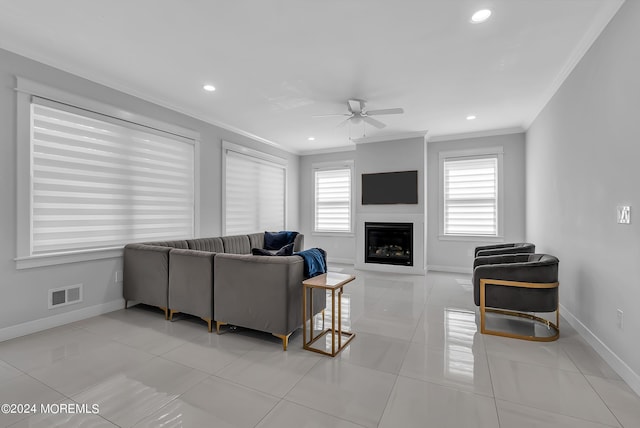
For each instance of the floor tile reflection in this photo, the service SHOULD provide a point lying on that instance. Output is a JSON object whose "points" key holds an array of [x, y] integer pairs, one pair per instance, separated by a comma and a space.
{"points": [[417, 360]]}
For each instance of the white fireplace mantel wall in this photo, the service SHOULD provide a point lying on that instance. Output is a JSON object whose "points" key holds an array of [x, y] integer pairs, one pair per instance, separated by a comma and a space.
{"points": [[403, 154]]}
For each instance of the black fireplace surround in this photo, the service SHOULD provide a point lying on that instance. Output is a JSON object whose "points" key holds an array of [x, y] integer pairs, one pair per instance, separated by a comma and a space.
{"points": [[389, 243]]}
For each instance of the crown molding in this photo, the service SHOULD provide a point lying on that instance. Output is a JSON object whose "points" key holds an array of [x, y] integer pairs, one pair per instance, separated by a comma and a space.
{"points": [[90, 76], [476, 134], [349, 148], [391, 137], [610, 8]]}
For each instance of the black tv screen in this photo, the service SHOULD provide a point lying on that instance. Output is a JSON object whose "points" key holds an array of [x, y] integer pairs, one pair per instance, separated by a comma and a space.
{"points": [[390, 188]]}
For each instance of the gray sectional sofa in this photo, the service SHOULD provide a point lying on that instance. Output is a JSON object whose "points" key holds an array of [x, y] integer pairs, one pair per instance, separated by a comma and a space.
{"points": [[217, 279]]}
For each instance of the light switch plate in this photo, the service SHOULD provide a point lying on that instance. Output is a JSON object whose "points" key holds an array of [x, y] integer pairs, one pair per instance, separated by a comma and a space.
{"points": [[624, 214]]}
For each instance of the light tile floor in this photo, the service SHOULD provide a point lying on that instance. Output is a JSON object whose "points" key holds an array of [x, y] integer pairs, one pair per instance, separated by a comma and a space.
{"points": [[417, 360]]}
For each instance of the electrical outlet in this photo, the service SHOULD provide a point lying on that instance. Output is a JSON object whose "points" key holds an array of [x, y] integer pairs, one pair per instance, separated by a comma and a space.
{"points": [[620, 315], [624, 214], [118, 276]]}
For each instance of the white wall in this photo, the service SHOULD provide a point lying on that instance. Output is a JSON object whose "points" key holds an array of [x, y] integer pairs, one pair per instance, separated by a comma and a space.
{"points": [[402, 154], [583, 155], [23, 307], [340, 248], [405, 154], [457, 256]]}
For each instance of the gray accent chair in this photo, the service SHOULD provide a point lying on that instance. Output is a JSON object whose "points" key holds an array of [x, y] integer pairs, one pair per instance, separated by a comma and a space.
{"points": [[509, 248], [518, 285]]}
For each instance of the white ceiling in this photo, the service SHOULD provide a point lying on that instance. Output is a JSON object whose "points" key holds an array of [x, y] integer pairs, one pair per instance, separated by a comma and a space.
{"points": [[276, 63]]}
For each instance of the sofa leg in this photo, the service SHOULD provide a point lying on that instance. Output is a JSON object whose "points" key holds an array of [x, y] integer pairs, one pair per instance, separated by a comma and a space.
{"points": [[218, 325], [171, 313], [126, 304], [284, 338], [208, 320], [166, 312]]}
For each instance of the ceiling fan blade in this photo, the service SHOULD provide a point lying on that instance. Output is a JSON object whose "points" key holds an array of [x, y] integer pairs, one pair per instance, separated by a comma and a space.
{"points": [[385, 111], [373, 122], [343, 123], [355, 106], [331, 115]]}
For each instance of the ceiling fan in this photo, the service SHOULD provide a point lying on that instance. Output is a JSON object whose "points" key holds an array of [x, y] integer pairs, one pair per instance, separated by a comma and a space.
{"points": [[358, 113]]}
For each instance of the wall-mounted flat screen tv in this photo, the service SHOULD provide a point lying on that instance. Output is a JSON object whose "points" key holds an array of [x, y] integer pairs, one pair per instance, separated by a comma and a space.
{"points": [[390, 188]]}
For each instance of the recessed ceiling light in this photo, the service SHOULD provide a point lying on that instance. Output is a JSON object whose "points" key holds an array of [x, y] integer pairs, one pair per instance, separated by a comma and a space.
{"points": [[480, 16], [311, 138], [209, 88], [471, 117]]}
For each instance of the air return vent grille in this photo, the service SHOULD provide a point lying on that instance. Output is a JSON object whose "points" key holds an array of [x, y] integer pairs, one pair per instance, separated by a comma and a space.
{"points": [[65, 296]]}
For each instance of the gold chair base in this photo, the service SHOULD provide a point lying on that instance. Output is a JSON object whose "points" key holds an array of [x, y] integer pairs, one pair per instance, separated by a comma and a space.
{"points": [[484, 309]]}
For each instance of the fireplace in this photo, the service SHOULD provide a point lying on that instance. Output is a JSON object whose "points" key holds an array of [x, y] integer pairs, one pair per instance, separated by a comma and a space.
{"points": [[389, 243]]}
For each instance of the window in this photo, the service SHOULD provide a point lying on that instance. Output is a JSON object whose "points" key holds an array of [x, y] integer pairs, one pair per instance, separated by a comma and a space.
{"points": [[332, 211], [98, 184], [471, 205], [89, 183], [254, 191]]}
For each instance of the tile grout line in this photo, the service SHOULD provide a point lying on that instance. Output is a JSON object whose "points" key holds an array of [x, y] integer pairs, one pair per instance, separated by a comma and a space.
{"points": [[603, 401]]}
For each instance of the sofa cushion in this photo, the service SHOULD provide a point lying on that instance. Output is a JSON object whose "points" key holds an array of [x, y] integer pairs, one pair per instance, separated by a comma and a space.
{"points": [[277, 240], [256, 240], [237, 244], [213, 245], [172, 244]]}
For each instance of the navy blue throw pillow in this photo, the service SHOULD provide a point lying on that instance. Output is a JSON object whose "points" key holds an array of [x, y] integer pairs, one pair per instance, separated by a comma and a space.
{"points": [[277, 240], [287, 250], [261, 252]]}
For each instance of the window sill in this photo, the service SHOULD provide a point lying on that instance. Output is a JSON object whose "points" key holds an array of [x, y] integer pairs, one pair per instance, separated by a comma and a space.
{"points": [[29, 262], [471, 238], [335, 234]]}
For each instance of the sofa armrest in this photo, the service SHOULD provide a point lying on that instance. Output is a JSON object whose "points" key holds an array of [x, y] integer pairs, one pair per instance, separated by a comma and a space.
{"points": [[146, 274], [298, 243], [259, 292]]}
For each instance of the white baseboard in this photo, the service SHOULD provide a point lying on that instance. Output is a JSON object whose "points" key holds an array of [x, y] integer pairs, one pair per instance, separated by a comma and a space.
{"points": [[617, 364], [341, 261], [452, 269], [41, 324]]}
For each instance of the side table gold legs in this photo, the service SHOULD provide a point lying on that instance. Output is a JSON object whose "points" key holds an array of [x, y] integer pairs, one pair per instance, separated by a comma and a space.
{"points": [[332, 282]]}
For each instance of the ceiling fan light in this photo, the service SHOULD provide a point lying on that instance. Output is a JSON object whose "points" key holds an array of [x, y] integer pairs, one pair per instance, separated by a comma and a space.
{"points": [[480, 16]]}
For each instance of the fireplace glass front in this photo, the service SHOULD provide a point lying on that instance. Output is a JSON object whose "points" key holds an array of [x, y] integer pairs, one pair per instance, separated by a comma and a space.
{"points": [[389, 243]]}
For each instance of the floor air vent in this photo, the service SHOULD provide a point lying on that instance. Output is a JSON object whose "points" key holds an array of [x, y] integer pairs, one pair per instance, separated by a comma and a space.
{"points": [[65, 296]]}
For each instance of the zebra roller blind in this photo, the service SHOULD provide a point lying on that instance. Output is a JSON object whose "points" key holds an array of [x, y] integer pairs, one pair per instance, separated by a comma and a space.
{"points": [[471, 196], [333, 200], [99, 182], [254, 194]]}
